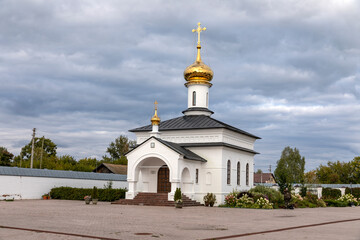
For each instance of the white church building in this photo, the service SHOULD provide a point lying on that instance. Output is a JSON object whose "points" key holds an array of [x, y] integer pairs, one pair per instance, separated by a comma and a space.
{"points": [[194, 152]]}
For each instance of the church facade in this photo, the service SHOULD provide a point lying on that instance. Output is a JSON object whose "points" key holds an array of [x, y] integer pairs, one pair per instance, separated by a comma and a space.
{"points": [[194, 152]]}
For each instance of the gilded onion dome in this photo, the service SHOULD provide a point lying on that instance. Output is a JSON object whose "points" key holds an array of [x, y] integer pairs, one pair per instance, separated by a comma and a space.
{"points": [[198, 72], [155, 120]]}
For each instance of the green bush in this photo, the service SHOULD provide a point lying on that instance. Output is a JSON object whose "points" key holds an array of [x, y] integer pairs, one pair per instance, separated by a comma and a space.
{"points": [[355, 192], [95, 194], [311, 198], [273, 195], [69, 193], [177, 195], [335, 203], [331, 193]]}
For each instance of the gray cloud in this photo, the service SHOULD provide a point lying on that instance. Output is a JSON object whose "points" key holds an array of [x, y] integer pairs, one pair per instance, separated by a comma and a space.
{"points": [[83, 73]]}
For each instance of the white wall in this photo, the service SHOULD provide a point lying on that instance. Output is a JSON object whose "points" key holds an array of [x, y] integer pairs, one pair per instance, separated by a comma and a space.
{"points": [[20, 187]]}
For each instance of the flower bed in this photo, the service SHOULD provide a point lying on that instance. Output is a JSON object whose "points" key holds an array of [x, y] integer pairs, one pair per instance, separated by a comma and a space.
{"points": [[267, 198]]}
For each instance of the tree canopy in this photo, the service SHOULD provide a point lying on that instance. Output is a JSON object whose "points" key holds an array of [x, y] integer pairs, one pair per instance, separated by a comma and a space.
{"points": [[289, 168], [49, 148], [5, 157], [119, 147]]}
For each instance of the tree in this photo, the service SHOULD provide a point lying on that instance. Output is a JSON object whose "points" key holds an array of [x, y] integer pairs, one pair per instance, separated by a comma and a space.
{"points": [[119, 148], [310, 177], [49, 148], [259, 171], [355, 166], [5, 157], [290, 168], [339, 172]]}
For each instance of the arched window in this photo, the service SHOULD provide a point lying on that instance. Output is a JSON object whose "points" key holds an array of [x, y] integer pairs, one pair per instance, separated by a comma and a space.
{"points": [[238, 173], [228, 171], [194, 98], [247, 174]]}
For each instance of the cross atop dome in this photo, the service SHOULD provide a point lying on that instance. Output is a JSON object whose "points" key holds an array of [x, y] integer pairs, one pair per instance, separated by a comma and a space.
{"points": [[198, 76], [199, 30]]}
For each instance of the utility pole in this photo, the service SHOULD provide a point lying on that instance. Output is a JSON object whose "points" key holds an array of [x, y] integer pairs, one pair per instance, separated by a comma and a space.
{"points": [[270, 168], [20, 158], [42, 150], [32, 148]]}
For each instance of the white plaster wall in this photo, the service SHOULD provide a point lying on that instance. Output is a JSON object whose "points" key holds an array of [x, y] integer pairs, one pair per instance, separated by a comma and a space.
{"points": [[21, 187], [210, 173], [202, 136], [145, 157], [236, 156], [201, 91]]}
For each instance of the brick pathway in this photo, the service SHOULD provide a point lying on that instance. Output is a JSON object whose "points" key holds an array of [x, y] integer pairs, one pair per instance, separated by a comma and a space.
{"points": [[57, 219]]}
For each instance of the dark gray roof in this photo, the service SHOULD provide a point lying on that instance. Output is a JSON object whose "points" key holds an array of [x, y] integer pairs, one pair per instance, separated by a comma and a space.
{"points": [[197, 109], [32, 172], [192, 122], [217, 144], [187, 154]]}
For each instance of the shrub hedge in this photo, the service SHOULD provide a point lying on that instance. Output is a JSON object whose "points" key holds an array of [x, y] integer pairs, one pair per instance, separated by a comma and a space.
{"points": [[335, 203], [69, 193], [331, 193], [355, 192]]}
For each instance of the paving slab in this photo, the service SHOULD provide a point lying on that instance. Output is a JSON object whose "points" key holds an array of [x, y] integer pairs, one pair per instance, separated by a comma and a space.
{"points": [[63, 219]]}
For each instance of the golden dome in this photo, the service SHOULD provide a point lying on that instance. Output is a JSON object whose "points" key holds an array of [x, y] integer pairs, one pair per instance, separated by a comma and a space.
{"points": [[155, 120], [198, 72]]}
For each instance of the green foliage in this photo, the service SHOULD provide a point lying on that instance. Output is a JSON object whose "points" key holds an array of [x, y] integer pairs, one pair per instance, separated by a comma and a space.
{"points": [[273, 195], [330, 193], [48, 150], [335, 203], [231, 198], [338, 172], [310, 177], [309, 201], [210, 199], [95, 193], [69, 193], [263, 203], [108, 185], [177, 195], [354, 191], [245, 202], [303, 190], [290, 168], [5, 157], [349, 198], [120, 147]]}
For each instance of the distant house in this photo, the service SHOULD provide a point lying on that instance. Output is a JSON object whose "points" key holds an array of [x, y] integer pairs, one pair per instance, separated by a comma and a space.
{"points": [[264, 178], [111, 168]]}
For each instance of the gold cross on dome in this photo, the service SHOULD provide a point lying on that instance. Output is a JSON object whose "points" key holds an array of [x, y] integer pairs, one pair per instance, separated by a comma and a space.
{"points": [[199, 30], [155, 103]]}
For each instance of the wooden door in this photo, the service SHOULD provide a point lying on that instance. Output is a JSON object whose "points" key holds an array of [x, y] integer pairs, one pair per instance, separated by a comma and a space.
{"points": [[164, 185]]}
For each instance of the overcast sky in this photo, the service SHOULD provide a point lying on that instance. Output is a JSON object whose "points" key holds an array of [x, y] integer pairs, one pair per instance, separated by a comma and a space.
{"points": [[84, 72]]}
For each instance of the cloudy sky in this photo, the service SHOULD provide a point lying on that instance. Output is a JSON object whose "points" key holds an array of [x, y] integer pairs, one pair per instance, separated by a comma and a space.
{"points": [[84, 72]]}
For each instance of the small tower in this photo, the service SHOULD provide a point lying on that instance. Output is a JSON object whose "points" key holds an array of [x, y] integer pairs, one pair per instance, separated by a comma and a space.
{"points": [[155, 121], [198, 76]]}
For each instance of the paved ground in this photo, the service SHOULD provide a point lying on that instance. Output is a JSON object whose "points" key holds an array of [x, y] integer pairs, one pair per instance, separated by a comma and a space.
{"points": [[106, 221]]}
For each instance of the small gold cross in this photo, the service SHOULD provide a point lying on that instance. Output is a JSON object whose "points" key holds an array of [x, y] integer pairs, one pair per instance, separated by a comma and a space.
{"points": [[155, 103], [199, 30]]}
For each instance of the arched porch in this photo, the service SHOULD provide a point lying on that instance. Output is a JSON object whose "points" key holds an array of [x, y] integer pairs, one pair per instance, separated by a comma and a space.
{"points": [[151, 175]]}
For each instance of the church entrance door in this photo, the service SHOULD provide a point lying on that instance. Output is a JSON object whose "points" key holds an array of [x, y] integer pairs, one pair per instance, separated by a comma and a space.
{"points": [[164, 185]]}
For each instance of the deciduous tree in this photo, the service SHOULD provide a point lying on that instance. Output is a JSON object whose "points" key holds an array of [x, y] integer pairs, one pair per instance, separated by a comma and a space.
{"points": [[5, 157], [119, 147], [290, 168]]}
